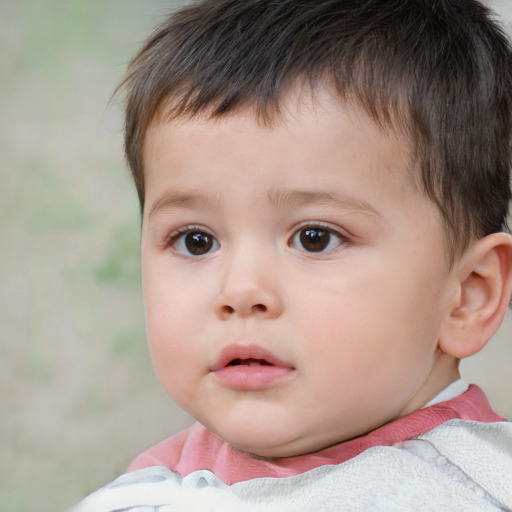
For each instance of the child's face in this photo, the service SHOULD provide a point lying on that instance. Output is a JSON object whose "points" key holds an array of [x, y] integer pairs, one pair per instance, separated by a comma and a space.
{"points": [[305, 247]]}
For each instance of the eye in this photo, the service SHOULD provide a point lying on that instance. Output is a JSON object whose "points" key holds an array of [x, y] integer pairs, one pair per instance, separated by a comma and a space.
{"points": [[316, 239], [193, 243]]}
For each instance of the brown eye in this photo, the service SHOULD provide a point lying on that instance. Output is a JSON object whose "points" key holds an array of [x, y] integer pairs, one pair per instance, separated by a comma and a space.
{"points": [[195, 243], [313, 239], [198, 243]]}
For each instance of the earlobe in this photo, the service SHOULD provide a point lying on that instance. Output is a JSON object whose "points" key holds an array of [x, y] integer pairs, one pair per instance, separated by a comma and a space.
{"points": [[484, 289]]}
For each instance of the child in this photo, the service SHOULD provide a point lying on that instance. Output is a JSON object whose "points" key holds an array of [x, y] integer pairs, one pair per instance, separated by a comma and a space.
{"points": [[324, 187]]}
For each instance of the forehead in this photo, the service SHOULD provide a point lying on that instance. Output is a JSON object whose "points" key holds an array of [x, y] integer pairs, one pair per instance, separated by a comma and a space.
{"points": [[301, 102], [303, 113]]}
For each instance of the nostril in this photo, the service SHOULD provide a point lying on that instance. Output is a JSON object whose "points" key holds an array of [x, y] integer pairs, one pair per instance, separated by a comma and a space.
{"points": [[227, 310]]}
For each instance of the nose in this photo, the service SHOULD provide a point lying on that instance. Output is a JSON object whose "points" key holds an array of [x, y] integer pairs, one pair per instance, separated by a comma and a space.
{"points": [[248, 289]]}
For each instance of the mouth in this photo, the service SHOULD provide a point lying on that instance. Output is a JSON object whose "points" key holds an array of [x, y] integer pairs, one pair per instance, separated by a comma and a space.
{"points": [[248, 355], [249, 362], [250, 368]]}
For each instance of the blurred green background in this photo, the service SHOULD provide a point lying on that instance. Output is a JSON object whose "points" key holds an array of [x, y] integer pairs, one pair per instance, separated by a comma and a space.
{"points": [[78, 399], [77, 394]]}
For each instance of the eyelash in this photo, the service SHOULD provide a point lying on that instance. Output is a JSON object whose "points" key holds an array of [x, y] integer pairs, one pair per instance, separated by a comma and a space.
{"points": [[171, 239], [174, 238]]}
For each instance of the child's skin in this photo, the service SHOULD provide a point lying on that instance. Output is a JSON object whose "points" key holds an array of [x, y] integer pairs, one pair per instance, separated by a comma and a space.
{"points": [[364, 323]]}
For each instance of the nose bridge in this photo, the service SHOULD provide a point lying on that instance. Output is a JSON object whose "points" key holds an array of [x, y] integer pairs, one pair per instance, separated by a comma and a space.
{"points": [[247, 285]]}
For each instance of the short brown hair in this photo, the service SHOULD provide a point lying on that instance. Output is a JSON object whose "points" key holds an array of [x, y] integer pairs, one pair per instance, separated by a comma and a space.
{"points": [[440, 71]]}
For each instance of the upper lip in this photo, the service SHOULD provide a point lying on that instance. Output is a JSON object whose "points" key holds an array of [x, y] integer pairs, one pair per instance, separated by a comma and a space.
{"points": [[245, 352]]}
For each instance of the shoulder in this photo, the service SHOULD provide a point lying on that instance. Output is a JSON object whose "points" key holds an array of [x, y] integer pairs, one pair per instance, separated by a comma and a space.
{"points": [[458, 436], [460, 466], [483, 451]]}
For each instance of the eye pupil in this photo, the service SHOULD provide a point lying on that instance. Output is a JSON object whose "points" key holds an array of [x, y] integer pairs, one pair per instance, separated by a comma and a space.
{"points": [[315, 240], [198, 243]]}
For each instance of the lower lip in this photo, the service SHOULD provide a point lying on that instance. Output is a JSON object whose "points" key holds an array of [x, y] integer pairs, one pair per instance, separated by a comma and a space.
{"points": [[252, 378]]}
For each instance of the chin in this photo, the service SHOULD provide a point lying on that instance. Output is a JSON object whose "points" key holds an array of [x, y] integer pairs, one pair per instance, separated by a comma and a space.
{"points": [[259, 442], [271, 446], [266, 452]]}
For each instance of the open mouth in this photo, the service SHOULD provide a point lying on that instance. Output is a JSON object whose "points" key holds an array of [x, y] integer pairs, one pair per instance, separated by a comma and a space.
{"points": [[249, 362], [250, 368], [237, 356]]}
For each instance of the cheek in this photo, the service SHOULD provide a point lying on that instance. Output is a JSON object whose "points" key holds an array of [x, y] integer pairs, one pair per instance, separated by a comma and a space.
{"points": [[173, 358], [366, 324], [170, 331], [344, 339], [169, 300]]}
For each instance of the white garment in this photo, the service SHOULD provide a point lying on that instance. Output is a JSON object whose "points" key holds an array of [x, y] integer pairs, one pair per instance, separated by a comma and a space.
{"points": [[458, 466], [454, 389]]}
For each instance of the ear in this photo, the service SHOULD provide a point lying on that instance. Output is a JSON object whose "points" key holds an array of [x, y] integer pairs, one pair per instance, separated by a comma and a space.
{"points": [[483, 288]]}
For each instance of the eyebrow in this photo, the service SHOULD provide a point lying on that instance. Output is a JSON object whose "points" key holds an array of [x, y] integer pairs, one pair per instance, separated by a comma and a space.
{"points": [[338, 200], [188, 200], [277, 198]]}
